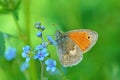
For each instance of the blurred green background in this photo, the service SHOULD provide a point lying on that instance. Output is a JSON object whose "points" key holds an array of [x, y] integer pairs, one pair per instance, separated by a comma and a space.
{"points": [[102, 62]]}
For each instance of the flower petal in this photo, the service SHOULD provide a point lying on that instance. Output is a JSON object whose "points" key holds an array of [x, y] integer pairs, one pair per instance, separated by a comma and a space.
{"points": [[54, 62], [10, 53], [8, 57], [24, 66], [47, 68], [46, 54], [49, 38], [41, 58], [39, 47], [47, 62], [54, 43], [24, 54], [44, 50], [35, 57], [26, 48], [27, 59], [53, 69]]}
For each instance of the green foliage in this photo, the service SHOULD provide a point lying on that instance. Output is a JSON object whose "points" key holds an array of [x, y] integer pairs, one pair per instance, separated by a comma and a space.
{"points": [[8, 6], [102, 62], [2, 45]]}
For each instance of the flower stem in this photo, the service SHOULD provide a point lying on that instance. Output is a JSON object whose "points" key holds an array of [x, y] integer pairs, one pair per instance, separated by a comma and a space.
{"points": [[42, 70], [62, 73], [33, 73], [27, 20], [26, 75]]}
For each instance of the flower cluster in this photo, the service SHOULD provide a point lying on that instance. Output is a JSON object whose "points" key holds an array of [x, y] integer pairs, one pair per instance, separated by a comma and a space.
{"points": [[41, 46], [40, 52], [26, 53], [40, 28]]}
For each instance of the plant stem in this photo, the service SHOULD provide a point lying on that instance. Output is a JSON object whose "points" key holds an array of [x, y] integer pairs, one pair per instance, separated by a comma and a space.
{"points": [[64, 77], [42, 70], [33, 73], [27, 14], [26, 75]]}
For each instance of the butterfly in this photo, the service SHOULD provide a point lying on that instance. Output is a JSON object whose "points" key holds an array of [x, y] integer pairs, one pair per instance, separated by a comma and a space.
{"points": [[73, 44]]}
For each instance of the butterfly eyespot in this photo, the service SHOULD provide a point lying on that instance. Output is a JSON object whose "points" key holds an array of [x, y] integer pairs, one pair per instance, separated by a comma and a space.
{"points": [[88, 37]]}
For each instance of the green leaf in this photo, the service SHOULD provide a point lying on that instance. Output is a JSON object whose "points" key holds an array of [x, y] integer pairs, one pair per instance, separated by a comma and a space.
{"points": [[16, 16], [2, 45], [18, 4]]}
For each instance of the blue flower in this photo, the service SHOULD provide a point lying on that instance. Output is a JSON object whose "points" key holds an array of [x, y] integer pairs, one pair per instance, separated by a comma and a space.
{"points": [[42, 27], [26, 49], [38, 25], [39, 34], [26, 53], [41, 54], [51, 40], [10, 53], [41, 46], [24, 66], [51, 65]]}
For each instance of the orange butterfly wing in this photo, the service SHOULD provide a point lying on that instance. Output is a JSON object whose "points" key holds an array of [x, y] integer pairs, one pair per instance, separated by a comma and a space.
{"points": [[81, 39]]}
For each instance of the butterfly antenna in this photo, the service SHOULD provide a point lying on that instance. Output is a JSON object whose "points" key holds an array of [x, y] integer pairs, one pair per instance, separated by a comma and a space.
{"points": [[57, 27], [50, 35]]}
